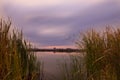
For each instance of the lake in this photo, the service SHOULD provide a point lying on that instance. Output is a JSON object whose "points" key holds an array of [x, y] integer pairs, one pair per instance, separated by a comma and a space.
{"points": [[52, 61]]}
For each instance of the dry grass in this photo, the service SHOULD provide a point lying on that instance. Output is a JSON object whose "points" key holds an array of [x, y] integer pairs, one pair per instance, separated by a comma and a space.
{"points": [[72, 70], [16, 63], [101, 59]]}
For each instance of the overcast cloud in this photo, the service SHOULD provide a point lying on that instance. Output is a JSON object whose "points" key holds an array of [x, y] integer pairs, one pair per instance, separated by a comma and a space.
{"points": [[58, 22]]}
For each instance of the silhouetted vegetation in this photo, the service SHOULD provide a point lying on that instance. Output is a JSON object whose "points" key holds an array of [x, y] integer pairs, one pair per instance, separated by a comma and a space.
{"points": [[73, 70], [101, 60], [102, 57], [16, 63], [67, 50]]}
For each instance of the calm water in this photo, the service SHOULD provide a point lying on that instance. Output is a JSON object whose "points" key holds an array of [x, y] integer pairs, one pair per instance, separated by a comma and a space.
{"points": [[52, 61]]}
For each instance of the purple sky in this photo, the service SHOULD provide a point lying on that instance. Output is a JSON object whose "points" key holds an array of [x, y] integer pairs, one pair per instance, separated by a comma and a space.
{"points": [[59, 22]]}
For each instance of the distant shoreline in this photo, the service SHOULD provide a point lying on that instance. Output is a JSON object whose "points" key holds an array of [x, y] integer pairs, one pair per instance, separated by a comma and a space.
{"points": [[56, 50]]}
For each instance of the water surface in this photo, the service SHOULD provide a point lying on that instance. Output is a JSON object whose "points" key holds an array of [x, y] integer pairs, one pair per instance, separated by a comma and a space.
{"points": [[52, 61]]}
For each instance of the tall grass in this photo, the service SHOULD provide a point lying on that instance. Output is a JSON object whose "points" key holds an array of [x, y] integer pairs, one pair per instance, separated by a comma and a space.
{"points": [[101, 60], [16, 62], [102, 57], [73, 70]]}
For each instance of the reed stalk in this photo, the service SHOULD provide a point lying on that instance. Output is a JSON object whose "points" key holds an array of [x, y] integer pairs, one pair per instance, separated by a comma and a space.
{"points": [[16, 62]]}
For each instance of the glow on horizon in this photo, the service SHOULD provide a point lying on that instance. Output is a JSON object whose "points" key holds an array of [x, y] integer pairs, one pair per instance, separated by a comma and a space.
{"points": [[64, 46]]}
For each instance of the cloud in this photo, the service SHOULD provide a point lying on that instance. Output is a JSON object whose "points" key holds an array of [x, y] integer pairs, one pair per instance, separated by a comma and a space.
{"points": [[54, 31], [1, 8], [46, 3], [60, 24]]}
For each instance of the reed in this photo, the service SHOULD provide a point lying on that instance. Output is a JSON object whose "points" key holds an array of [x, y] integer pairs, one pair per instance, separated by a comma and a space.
{"points": [[16, 62], [73, 70], [101, 59], [102, 54]]}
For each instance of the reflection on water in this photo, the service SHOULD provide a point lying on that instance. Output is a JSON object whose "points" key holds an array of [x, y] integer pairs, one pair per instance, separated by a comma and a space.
{"points": [[52, 61]]}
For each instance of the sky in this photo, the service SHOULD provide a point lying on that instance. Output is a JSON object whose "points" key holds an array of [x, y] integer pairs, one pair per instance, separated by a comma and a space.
{"points": [[59, 22]]}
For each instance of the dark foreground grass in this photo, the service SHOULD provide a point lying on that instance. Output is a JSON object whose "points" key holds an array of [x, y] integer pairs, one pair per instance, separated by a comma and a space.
{"points": [[16, 63], [101, 60], [102, 54], [72, 70]]}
